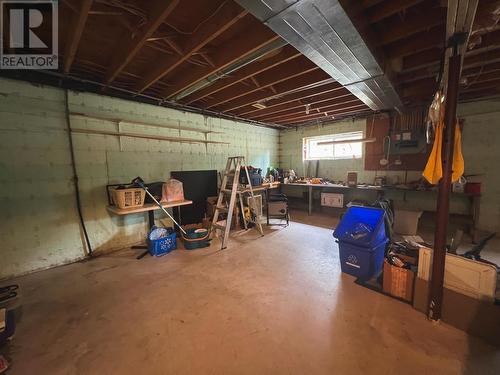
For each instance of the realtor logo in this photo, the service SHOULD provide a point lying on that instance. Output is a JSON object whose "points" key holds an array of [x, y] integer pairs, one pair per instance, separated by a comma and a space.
{"points": [[28, 34]]}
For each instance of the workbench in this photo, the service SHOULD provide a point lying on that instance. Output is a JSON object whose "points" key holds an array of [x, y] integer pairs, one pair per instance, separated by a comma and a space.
{"points": [[150, 208], [331, 186], [474, 199]]}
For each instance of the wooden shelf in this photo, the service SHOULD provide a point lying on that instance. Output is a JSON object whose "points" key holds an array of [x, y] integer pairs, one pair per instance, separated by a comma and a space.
{"points": [[146, 207], [117, 120]]}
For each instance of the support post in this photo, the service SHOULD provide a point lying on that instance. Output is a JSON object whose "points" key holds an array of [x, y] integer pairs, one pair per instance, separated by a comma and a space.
{"points": [[443, 201]]}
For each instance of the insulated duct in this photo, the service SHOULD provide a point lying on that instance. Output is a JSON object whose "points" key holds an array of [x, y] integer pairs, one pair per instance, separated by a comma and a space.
{"points": [[322, 31]]}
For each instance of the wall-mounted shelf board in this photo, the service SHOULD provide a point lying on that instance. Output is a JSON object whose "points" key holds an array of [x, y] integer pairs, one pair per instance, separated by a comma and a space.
{"points": [[146, 136], [123, 121]]}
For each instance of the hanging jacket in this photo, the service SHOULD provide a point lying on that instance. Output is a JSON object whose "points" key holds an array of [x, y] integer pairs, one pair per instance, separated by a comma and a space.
{"points": [[433, 170]]}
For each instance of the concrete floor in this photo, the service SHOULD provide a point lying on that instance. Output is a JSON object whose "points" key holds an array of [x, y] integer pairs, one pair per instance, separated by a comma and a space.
{"points": [[272, 305]]}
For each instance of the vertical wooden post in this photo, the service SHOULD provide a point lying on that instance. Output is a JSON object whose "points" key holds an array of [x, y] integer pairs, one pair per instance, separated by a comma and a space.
{"points": [[443, 202]]}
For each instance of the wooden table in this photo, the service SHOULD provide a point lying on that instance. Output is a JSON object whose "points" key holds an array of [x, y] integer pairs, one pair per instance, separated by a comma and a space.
{"points": [[334, 186], [150, 208]]}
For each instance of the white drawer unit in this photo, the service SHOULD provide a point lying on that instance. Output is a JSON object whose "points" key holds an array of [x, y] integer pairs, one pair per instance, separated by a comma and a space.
{"points": [[332, 200]]}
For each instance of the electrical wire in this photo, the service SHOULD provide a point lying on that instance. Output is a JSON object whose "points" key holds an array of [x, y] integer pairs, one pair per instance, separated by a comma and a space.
{"points": [[75, 175]]}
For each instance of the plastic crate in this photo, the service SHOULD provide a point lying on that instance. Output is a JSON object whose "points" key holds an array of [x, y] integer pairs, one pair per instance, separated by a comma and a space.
{"points": [[362, 226], [362, 262], [163, 245], [128, 198]]}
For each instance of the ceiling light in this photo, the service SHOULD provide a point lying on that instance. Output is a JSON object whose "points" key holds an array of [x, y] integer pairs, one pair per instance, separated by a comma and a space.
{"points": [[307, 108], [259, 105]]}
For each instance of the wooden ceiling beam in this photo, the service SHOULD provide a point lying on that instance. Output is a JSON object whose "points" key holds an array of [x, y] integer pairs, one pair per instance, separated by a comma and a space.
{"points": [[432, 71], [266, 79], [434, 37], [424, 87], [422, 59], [482, 58], [488, 40], [472, 63], [326, 107], [481, 85], [288, 53], [300, 105], [412, 24], [482, 77], [331, 115], [242, 45], [75, 33], [157, 14], [493, 91], [370, 3], [282, 102], [227, 16], [388, 8], [282, 88]]}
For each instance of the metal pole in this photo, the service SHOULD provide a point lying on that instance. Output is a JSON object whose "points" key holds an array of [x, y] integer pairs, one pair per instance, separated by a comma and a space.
{"points": [[443, 202], [163, 209]]}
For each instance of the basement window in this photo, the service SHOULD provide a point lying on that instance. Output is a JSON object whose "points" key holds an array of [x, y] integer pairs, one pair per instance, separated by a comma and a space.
{"points": [[333, 147]]}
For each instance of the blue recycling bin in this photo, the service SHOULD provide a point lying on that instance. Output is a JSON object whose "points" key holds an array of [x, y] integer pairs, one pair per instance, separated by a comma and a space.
{"points": [[362, 241]]}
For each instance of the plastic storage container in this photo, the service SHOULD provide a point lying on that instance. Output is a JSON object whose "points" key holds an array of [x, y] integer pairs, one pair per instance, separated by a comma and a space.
{"points": [[362, 262], [161, 241], [362, 226], [362, 241]]}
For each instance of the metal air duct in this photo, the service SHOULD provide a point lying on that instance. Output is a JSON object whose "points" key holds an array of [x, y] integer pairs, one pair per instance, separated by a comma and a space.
{"points": [[322, 31]]}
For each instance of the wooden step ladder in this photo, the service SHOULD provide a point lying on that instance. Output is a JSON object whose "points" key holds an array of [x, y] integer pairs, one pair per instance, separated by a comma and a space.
{"points": [[232, 177]]}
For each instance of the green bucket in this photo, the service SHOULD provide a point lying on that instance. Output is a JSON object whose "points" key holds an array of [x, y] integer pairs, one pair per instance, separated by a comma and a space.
{"points": [[196, 238]]}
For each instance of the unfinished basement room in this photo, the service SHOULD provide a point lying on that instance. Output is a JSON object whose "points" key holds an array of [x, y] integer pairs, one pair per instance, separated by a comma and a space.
{"points": [[249, 187]]}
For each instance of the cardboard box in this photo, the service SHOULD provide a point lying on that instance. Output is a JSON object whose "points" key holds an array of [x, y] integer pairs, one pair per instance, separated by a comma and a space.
{"points": [[398, 282]]}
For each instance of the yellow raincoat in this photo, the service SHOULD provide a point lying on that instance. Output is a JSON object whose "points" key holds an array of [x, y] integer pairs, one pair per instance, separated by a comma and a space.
{"points": [[434, 169]]}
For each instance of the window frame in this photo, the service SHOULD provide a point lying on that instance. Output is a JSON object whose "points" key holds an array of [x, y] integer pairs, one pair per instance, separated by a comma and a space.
{"points": [[357, 135]]}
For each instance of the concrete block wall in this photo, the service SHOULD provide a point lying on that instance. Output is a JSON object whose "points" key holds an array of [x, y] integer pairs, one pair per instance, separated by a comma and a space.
{"points": [[481, 140], [39, 224]]}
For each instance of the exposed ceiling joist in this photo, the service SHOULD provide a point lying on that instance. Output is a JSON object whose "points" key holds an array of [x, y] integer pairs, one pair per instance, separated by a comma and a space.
{"points": [[158, 13], [410, 25], [279, 102], [228, 14], [288, 53], [330, 115], [241, 46], [75, 33], [294, 68], [388, 8], [344, 102], [330, 97], [282, 88], [434, 37]]}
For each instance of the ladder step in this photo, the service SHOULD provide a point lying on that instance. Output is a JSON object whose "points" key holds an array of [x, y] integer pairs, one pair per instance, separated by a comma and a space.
{"points": [[230, 174], [229, 191], [218, 226], [222, 208]]}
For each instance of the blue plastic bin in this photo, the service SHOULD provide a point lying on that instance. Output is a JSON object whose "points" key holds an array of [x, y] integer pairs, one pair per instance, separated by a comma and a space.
{"points": [[362, 226], [361, 262], [163, 245]]}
